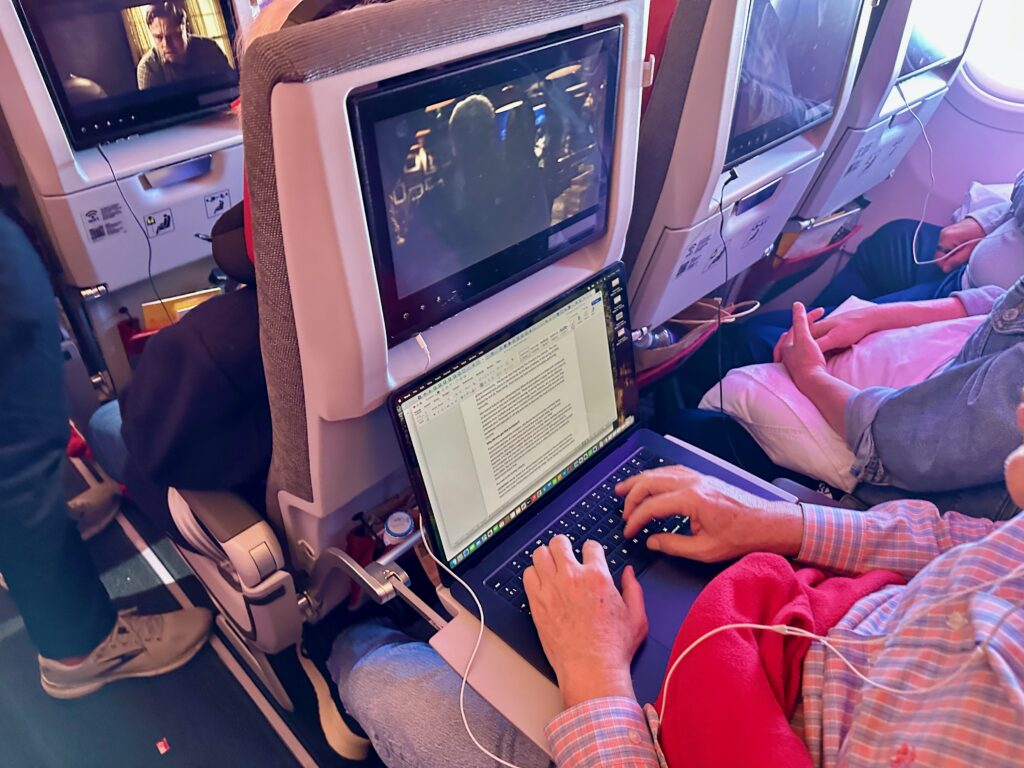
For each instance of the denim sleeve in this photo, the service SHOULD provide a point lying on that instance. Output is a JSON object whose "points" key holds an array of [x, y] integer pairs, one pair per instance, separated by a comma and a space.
{"points": [[991, 217], [952, 431], [979, 301]]}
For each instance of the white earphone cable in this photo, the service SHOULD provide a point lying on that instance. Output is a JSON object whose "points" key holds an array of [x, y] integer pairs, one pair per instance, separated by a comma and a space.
{"points": [[928, 194], [781, 629], [472, 656], [828, 643]]}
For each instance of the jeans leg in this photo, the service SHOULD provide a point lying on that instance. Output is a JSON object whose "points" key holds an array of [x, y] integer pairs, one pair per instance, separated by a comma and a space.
{"points": [[937, 289], [884, 264], [744, 343], [407, 700], [51, 576], [950, 283], [104, 436]]}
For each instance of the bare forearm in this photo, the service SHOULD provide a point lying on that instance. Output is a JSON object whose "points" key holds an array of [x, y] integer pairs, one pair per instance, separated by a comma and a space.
{"points": [[910, 314], [829, 395]]}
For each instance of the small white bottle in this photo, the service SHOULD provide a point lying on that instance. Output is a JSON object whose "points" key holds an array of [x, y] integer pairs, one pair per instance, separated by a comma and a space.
{"points": [[398, 527]]}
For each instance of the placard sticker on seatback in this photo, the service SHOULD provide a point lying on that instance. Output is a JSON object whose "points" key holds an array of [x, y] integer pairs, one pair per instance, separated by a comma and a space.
{"points": [[159, 223], [105, 221], [217, 203]]}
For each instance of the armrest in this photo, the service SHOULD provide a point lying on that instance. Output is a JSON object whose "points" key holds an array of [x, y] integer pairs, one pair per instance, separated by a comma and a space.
{"points": [[246, 538], [803, 493]]}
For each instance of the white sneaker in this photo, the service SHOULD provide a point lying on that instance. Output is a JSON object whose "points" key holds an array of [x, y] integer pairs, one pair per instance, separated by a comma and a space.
{"points": [[137, 646], [94, 509]]}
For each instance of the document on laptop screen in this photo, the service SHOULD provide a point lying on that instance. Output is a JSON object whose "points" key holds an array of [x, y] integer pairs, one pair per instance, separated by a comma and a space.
{"points": [[494, 431]]}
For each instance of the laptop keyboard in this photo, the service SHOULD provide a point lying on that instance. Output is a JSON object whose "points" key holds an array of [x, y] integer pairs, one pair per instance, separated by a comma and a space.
{"points": [[597, 516]]}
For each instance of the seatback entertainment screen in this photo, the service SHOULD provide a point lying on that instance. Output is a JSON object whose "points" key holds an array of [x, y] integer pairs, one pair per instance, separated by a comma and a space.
{"points": [[116, 68], [481, 173], [794, 58], [939, 33]]}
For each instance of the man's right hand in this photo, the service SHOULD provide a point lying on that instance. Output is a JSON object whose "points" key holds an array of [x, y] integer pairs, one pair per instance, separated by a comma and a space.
{"points": [[951, 238], [726, 522]]}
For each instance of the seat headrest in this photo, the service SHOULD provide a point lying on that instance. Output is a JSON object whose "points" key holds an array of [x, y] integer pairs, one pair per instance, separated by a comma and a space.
{"points": [[228, 242]]}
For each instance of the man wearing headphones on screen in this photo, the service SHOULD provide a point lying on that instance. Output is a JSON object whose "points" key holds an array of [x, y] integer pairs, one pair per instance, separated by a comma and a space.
{"points": [[176, 55], [923, 674]]}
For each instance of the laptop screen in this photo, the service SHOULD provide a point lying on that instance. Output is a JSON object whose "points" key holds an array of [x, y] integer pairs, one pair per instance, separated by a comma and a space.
{"points": [[496, 431]]}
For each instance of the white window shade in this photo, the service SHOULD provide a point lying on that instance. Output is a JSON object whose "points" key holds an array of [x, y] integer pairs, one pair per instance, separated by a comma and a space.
{"points": [[995, 58]]}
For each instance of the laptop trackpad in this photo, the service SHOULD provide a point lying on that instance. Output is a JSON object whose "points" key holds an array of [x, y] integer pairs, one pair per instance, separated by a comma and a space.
{"points": [[648, 670], [670, 587]]}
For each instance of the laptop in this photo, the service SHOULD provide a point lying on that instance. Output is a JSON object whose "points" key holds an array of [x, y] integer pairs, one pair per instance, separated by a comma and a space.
{"points": [[525, 436]]}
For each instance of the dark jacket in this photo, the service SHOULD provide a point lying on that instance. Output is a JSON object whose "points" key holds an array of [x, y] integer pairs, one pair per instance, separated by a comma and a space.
{"points": [[196, 413]]}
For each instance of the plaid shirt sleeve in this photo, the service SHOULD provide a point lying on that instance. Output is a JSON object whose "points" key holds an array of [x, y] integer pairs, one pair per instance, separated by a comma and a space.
{"points": [[900, 536], [602, 733]]}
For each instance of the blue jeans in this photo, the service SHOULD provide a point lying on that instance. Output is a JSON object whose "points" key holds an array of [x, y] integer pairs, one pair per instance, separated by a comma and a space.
{"points": [[406, 698], [48, 569], [883, 268], [104, 436]]}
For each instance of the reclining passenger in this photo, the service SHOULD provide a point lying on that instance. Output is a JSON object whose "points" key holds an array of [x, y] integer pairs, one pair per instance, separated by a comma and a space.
{"points": [[883, 271], [986, 247], [196, 414], [941, 655], [910, 441]]}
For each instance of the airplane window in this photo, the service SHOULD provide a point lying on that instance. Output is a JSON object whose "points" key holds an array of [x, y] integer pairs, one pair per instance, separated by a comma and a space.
{"points": [[995, 58]]}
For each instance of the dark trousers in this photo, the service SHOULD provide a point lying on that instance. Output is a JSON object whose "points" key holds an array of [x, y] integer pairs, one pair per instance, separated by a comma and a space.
{"points": [[882, 270], [48, 570]]}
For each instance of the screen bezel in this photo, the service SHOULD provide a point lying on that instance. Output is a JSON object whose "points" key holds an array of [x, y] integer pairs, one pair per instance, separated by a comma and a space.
{"points": [[405, 317], [733, 155], [128, 115], [398, 397]]}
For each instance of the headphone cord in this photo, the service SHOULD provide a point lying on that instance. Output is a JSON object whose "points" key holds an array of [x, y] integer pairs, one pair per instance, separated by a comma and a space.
{"points": [[736, 458], [928, 194], [145, 235]]}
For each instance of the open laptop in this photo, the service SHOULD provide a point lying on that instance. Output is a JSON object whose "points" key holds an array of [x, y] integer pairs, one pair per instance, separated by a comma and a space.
{"points": [[525, 436]]}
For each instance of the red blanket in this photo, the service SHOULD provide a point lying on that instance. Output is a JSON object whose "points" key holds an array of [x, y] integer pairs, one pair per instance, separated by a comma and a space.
{"points": [[732, 697]]}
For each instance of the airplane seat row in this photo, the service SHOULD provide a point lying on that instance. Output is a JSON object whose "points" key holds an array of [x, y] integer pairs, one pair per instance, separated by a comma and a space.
{"points": [[334, 346], [731, 141], [344, 135]]}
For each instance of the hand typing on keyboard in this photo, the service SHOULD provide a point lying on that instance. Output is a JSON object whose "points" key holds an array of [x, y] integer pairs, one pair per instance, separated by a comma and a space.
{"points": [[589, 631], [725, 522], [596, 517]]}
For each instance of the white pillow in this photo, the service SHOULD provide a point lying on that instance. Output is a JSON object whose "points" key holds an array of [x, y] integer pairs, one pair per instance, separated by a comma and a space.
{"points": [[791, 430]]}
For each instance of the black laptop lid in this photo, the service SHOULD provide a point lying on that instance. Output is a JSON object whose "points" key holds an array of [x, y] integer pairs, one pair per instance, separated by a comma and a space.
{"points": [[490, 438]]}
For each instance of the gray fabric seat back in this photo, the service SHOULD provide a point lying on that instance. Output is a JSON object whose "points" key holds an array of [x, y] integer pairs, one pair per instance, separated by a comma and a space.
{"points": [[660, 123]]}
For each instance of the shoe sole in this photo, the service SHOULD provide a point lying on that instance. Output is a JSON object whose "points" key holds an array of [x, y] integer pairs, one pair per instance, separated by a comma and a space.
{"points": [[58, 691], [90, 532], [339, 736]]}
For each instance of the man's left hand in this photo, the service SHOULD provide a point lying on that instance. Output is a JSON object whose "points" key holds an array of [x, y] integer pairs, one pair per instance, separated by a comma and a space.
{"points": [[801, 354], [589, 631]]}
